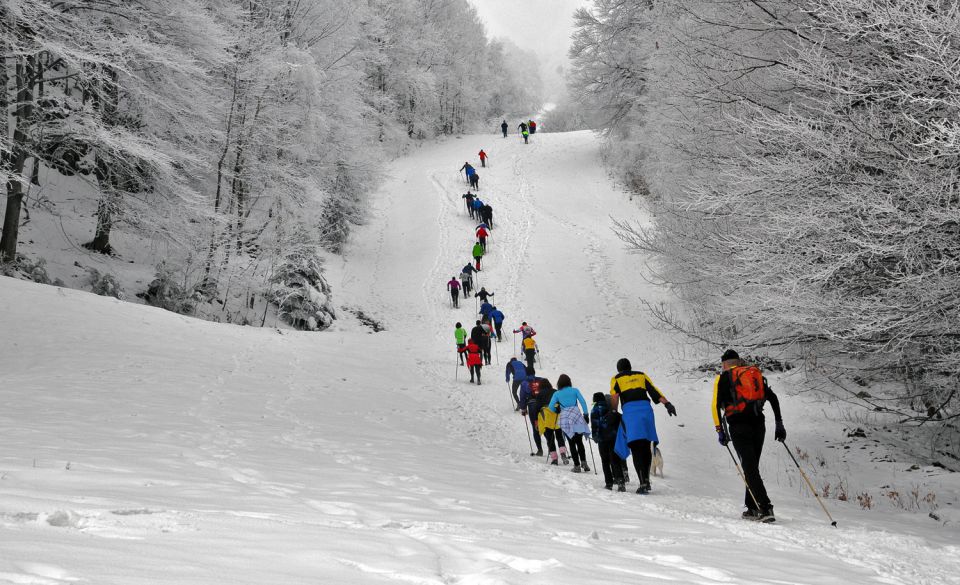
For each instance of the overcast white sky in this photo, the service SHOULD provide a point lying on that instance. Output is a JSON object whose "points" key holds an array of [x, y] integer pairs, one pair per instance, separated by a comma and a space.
{"points": [[543, 26]]}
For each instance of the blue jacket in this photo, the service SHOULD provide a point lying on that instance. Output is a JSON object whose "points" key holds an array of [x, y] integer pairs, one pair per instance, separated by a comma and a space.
{"points": [[477, 204], [497, 316], [604, 422], [519, 370], [469, 269], [486, 309], [568, 398]]}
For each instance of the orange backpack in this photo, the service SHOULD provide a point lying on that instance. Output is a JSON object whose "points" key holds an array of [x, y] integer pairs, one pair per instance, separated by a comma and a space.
{"points": [[747, 388]]}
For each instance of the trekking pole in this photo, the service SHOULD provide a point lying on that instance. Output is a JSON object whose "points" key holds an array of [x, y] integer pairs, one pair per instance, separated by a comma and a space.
{"points": [[496, 350], [526, 426], [742, 476], [514, 344], [810, 485], [590, 444], [456, 376]]}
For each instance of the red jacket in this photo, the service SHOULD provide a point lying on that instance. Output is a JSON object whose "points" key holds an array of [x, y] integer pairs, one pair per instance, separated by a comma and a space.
{"points": [[483, 155], [473, 354], [481, 233]]}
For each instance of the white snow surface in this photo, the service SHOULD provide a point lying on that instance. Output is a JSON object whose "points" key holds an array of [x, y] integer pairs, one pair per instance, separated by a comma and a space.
{"points": [[141, 447]]}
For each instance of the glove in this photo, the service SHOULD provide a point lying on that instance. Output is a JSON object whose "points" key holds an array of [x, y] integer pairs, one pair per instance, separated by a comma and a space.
{"points": [[722, 437], [586, 418], [671, 410], [780, 433]]}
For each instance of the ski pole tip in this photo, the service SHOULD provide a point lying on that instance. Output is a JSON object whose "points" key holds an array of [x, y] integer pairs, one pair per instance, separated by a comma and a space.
{"points": [[834, 524]]}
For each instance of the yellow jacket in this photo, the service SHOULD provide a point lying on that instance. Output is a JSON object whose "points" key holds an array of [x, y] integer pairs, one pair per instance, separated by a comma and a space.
{"points": [[547, 419], [529, 343]]}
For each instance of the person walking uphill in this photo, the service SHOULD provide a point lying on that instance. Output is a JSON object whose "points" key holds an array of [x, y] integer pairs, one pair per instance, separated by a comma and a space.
{"points": [[633, 392], [529, 350], [516, 369], [503, 128], [573, 421], [468, 197], [474, 360], [530, 391], [739, 393], [483, 158], [548, 423], [497, 316], [477, 254], [604, 424], [460, 334], [482, 234], [454, 287], [469, 170]]}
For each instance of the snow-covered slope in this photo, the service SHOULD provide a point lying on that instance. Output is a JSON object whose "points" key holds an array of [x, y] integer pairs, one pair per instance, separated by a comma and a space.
{"points": [[138, 446]]}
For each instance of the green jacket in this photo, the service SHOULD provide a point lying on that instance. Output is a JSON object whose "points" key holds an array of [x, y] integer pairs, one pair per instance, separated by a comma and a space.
{"points": [[477, 250], [461, 335]]}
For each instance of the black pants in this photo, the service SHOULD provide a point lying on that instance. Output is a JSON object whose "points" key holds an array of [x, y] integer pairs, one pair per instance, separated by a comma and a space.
{"points": [[515, 387], [748, 442], [642, 457], [554, 439], [499, 333], [531, 355], [610, 462], [483, 244], [486, 353], [475, 370], [471, 211], [483, 162], [504, 133], [577, 451], [532, 415], [461, 348], [455, 295]]}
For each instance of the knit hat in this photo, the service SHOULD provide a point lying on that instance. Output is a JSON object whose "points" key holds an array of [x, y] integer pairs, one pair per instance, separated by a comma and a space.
{"points": [[730, 355], [598, 397]]}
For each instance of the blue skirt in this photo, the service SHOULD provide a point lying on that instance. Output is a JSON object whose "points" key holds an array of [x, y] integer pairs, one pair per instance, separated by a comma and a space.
{"points": [[638, 423]]}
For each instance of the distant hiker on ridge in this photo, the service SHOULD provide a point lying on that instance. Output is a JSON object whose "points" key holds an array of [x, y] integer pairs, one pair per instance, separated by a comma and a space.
{"points": [[503, 128]]}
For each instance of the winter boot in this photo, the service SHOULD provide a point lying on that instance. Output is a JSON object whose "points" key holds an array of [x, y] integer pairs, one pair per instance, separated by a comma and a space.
{"points": [[608, 486], [576, 469], [751, 514], [585, 468], [539, 452], [766, 515], [553, 458], [563, 455], [621, 487]]}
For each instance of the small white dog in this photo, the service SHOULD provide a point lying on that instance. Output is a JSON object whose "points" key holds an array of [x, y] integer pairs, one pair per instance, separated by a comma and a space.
{"points": [[657, 463]]}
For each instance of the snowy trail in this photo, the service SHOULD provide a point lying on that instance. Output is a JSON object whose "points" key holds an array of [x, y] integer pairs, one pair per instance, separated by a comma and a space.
{"points": [[137, 446]]}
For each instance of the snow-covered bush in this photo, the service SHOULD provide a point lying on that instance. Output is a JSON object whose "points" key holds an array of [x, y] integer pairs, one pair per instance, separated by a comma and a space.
{"points": [[166, 292], [300, 291], [105, 285]]}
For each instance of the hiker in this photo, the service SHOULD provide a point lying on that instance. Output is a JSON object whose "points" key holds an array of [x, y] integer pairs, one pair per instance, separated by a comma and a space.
{"points": [[483, 159], [487, 344], [549, 424], [483, 295], [474, 361], [532, 125], [739, 393], [522, 126], [469, 170], [460, 334], [486, 215], [477, 205], [573, 421], [529, 350], [475, 180], [516, 369], [468, 198], [503, 128], [604, 424], [466, 282], [477, 253], [454, 287], [497, 317], [482, 237], [485, 310], [633, 392], [530, 390], [525, 330], [481, 337]]}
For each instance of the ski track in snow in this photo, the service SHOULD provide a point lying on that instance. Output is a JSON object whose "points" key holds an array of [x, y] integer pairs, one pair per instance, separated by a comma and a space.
{"points": [[204, 453]]}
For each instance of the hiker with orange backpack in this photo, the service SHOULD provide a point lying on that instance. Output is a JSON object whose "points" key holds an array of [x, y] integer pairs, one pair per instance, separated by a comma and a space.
{"points": [[739, 393]]}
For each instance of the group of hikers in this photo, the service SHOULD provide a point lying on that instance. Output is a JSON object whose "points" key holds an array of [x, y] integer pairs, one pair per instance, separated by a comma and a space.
{"points": [[621, 422], [525, 128]]}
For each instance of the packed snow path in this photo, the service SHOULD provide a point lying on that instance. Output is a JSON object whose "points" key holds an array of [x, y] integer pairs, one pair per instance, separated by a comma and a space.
{"points": [[137, 446]]}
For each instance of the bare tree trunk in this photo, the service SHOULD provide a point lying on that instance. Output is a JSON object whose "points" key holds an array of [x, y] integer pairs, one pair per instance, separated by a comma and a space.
{"points": [[109, 203], [19, 155]]}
